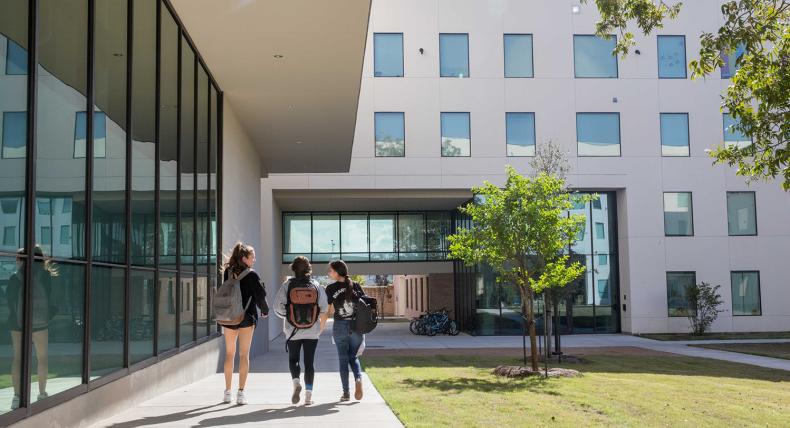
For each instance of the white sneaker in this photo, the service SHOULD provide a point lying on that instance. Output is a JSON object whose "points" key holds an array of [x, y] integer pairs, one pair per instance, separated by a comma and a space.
{"points": [[297, 391], [226, 398], [240, 399], [308, 398]]}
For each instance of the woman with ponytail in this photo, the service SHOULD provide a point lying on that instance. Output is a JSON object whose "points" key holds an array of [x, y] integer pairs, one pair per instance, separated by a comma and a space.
{"points": [[342, 294]]}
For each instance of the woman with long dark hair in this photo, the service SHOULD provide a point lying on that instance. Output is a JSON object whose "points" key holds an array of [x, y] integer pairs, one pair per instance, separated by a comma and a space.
{"points": [[301, 336], [343, 293], [239, 265]]}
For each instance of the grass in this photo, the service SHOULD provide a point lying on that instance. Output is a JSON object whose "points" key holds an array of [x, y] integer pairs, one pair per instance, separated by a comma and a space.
{"points": [[615, 390], [718, 336], [775, 350]]}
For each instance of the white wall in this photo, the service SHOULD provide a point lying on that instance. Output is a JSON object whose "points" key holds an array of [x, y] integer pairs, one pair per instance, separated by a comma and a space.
{"points": [[640, 175]]}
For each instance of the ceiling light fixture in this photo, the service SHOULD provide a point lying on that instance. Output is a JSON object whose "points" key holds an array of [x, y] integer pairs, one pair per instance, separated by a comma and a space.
{"points": [[278, 56], [576, 9], [298, 142]]}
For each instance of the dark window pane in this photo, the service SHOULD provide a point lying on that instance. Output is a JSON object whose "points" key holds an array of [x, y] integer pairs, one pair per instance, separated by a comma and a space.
{"points": [[674, 134], [598, 134], [745, 293], [202, 214], [143, 133], [213, 173], [167, 311], [11, 309], [62, 85], [592, 56], [388, 55], [142, 306], [57, 323], [187, 308], [520, 132], [672, 57], [678, 284], [454, 55], [741, 213], [186, 192], [518, 55], [168, 140], [202, 306], [107, 320]]}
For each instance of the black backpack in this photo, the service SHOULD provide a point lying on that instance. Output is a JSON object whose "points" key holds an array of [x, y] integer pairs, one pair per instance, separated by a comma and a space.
{"points": [[366, 314]]}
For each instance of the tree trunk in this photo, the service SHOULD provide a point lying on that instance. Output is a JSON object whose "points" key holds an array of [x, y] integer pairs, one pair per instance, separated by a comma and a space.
{"points": [[533, 342]]}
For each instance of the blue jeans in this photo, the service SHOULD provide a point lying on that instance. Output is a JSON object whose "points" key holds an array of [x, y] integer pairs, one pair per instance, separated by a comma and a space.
{"points": [[348, 343]]}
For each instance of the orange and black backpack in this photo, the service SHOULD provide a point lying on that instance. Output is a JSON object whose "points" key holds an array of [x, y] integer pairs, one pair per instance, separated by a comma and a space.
{"points": [[301, 307]]}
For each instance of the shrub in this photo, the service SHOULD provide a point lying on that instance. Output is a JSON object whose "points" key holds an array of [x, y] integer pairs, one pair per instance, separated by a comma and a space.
{"points": [[704, 300]]}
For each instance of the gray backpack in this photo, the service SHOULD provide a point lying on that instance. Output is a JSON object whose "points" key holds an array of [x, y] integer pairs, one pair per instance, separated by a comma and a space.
{"points": [[228, 309]]}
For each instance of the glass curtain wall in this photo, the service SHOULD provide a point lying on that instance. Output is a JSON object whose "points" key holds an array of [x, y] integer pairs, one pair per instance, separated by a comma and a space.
{"points": [[103, 158], [587, 305]]}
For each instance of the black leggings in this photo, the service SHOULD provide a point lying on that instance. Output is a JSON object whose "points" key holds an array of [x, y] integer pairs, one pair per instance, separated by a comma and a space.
{"points": [[294, 347]]}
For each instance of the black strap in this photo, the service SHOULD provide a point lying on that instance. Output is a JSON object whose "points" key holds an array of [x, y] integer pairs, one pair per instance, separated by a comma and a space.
{"points": [[287, 341]]}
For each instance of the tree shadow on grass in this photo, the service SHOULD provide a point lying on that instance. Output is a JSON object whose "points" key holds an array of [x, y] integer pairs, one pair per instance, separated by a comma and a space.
{"points": [[488, 384]]}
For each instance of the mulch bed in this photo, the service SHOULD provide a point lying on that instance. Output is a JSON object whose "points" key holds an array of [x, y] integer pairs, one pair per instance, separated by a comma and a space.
{"points": [[521, 372], [511, 352]]}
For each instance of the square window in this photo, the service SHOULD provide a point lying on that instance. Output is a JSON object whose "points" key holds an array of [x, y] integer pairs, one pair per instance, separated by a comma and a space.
{"points": [[44, 206], [16, 59], [454, 55], [518, 55], [388, 55], [598, 134], [674, 134], [594, 57], [741, 214], [730, 59], [456, 140], [9, 236], [603, 259], [678, 214], [520, 130], [678, 284], [390, 135], [672, 57], [745, 293], [8, 205], [732, 135], [596, 203], [14, 136], [99, 134]]}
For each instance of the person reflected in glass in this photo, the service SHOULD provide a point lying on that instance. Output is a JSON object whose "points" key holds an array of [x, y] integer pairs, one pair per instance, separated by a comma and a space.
{"points": [[342, 294], [43, 310]]}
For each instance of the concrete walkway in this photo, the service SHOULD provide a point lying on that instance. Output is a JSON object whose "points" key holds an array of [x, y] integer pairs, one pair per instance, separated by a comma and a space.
{"points": [[268, 392]]}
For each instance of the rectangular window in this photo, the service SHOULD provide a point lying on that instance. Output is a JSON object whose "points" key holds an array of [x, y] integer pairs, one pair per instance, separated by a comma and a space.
{"points": [[8, 205], [390, 135], [15, 59], [9, 236], [671, 57], [518, 55], [99, 134], [594, 57], [603, 259], [678, 283], [732, 135], [678, 215], [388, 55], [65, 234], [745, 293], [456, 138], [44, 206], [674, 134], [598, 134], [730, 59], [14, 137], [600, 231], [454, 55], [46, 235], [520, 130], [741, 214]]}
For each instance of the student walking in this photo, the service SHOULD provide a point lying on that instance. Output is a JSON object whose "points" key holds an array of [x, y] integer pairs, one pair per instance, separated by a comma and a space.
{"points": [[301, 302], [343, 293], [238, 269]]}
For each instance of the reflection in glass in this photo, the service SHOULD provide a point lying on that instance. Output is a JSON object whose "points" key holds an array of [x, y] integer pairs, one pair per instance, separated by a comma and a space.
{"points": [[186, 231], [296, 236], [390, 138], [520, 130], [672, 57], [678, 283], [187, 309], [456, 135], [213, 174], [12, 280], [438, 227], [107, 320], [354, 235], [383, 239], [593, 56], [598, 134], [201, 296], [62, 85], [109, 168], [202, 214], [326, 237], [730, 59], [674, 134], [14, 136], [733, 136], [454, 55], [745, 293], [678, 217], [141, 319], [388, 55], [411, 236], [143, 133], [518, 55], [167, 311], [168, 140], [57, 315], [741, 213]]}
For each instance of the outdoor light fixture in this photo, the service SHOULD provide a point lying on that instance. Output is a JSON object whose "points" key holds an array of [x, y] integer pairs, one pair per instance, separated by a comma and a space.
{"points": [[422, 51], [576, 9]]}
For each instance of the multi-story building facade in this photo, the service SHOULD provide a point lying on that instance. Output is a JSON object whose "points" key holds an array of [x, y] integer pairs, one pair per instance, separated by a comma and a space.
{"points": [[454, 90]]}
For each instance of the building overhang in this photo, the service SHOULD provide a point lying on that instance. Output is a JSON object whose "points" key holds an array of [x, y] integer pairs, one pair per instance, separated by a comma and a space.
{"points": [[291, 71]]}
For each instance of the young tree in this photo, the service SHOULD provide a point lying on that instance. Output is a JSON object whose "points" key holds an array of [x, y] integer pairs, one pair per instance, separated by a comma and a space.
{"points": [[521, 231], [759, 96], [704, 300]]}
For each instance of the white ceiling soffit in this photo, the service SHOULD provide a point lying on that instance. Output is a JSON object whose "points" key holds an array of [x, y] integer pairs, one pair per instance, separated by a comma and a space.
{"points": [[370, 200], [299, 109]]}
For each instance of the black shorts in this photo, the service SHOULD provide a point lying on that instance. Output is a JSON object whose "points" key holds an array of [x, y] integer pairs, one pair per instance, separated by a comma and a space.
{"points": [[244, 324]]}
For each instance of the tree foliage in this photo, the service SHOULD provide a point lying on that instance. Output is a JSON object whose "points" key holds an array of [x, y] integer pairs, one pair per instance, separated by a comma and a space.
{"points": [[759, 94], [704, 300], [522, 231]]}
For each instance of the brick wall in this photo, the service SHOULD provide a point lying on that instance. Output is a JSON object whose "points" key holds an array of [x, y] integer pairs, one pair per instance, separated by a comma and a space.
{"points": [[441, 293]]}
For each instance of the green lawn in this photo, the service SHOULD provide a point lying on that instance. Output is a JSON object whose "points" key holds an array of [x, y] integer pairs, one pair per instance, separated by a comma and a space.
{"points": [[775, 350], [718, 336], [615, 390]]}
